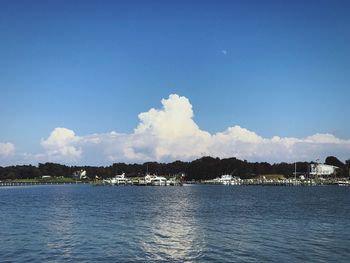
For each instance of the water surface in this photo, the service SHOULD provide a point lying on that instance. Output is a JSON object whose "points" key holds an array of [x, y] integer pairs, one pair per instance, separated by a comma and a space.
{"points": [[197, 223]]}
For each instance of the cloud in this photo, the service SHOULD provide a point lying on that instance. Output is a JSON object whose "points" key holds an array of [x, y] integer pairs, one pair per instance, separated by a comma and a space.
{"points": [[62, 144], [7, 149], [172, 130], [224, 52], [323, 138], [170, 133]]}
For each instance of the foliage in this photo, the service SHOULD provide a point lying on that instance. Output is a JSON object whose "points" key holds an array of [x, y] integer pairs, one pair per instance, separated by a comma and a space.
{"points": [[331, 160], [343, 170], [200, 169]]}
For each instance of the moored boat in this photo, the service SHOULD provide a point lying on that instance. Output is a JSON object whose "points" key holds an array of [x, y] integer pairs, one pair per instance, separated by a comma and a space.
{"points": [[159, 181], [119, 179]]}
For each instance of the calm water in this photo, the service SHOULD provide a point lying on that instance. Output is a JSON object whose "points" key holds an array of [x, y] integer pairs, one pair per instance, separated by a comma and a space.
{"points": [[199, 223]]}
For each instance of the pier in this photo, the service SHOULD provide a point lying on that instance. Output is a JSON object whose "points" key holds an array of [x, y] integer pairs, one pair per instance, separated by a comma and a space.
{"points": [[5, 184]]}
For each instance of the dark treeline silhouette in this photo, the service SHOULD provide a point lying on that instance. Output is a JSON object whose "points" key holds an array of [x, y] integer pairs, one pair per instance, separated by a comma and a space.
{"points": [[200, 169]]}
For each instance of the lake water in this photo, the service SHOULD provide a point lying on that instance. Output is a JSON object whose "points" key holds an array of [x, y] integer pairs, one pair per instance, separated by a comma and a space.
{"points": [[197, 223]]}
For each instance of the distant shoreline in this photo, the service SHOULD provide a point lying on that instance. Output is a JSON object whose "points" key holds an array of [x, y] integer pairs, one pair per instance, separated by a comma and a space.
{"points": [[245, 182], [205, 168]]}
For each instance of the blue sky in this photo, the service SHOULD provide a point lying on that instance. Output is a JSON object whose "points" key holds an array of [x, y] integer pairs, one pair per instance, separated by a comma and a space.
{"points": [[278, 68]]}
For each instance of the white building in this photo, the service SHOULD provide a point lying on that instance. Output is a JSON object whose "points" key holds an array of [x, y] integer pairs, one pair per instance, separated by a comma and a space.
{"points": [[322, 169]]}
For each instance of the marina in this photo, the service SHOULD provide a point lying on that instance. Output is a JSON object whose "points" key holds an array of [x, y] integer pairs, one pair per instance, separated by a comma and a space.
{"points": [[148, 180], [224, 180], [281, 181], [175, 131]]}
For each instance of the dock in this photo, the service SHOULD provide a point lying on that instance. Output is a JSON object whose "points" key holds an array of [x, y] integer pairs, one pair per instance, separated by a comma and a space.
{"points": [[6, 184]]}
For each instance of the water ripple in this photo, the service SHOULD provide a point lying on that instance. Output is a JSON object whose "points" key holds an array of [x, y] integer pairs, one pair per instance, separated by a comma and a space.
{"points": [[174, 224]]}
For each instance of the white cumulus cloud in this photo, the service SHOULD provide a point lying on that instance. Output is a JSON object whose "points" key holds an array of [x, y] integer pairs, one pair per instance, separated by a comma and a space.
{"points": [[62, 144], [171, 130], [7, 149], [170, 133]]}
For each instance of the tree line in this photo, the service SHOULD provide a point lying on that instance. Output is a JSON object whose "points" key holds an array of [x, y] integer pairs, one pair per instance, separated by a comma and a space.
{"points": [[200, 169]]}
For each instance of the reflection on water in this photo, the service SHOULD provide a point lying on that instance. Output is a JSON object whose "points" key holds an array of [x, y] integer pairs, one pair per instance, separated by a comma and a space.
{"points": [[174, 233], [60, 224]]}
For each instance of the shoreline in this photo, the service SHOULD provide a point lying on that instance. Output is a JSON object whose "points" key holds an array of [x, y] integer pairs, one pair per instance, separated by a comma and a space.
{"points": [[245, 182]]}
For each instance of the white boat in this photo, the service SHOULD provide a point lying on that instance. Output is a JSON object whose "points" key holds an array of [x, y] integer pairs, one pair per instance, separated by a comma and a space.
{"points": [[343, 183], [148, 179], [173, 181], [119, 179], [159, 181], [226, 179]]}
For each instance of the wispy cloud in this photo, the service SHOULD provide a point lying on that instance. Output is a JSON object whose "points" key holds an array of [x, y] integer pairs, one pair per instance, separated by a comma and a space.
{"points": [[170, 133]]}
